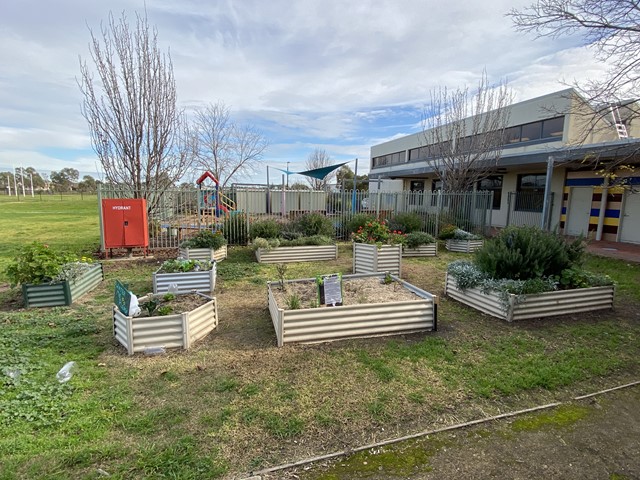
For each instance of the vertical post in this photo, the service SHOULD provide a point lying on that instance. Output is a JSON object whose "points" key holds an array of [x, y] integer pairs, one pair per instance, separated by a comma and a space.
{"points": [[268, 192], [31, 176], [15, 183], [353, 194], [544, 225], [287, 174], [603, 209], [22, 178], [283, 199]]}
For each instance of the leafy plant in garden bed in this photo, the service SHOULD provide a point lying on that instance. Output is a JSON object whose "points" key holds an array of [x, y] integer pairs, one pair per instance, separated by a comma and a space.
{"points": [[183, 265], [523, 261], [49, 278], [184, 276], [376, 248], [420, 244], [303, 239], [205, 239]]}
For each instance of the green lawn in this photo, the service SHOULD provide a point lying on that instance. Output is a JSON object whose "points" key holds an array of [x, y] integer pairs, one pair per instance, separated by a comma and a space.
{"points": [[236, 402], [68, 222]]}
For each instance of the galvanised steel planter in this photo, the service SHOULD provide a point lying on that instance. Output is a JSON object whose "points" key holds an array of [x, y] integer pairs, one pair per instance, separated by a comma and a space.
{"points": [[548, 304], [203, 253], [169, 331], [307, 253], [429, 250], [202, 281], [368, 258], [325, 324], [463, 246], [62, 293]]}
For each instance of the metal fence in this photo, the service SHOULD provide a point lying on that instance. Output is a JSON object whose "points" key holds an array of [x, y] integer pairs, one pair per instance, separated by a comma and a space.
{"points": [[525, 208], [175, 214]]}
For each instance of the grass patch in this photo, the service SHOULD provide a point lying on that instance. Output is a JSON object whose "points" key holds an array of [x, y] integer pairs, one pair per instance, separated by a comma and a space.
{"points": [[561, 417]]}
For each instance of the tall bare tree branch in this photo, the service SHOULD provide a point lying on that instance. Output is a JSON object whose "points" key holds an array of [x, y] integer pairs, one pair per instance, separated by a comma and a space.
{"points": [[136, 128], [463, 132]]}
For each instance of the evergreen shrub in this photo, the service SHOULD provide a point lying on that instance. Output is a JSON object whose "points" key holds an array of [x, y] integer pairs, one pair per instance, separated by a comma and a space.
{"points": [[522, 253]]}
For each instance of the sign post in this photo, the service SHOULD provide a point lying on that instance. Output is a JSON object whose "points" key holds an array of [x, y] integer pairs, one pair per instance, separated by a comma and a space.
{"points": [[330, 289]]}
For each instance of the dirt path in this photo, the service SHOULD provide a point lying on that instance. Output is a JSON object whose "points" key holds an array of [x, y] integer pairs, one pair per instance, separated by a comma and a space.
{"points": [[597, 438]]}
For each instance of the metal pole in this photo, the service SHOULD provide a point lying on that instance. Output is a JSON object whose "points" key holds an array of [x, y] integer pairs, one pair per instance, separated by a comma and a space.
{"points": [[31, 176], [353, 195], [15, 184], [603, 209], [547, 194], [268, 192], [287, 174]]}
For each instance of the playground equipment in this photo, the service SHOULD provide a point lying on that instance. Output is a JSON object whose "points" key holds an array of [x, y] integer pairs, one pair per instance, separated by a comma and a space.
{"points": [[213, 200]]}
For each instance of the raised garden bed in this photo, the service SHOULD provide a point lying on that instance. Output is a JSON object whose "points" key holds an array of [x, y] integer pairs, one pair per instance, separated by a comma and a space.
{"points": [[64, 292], [430, 250], [548, 304], [178, 330], [369, 258], [463, 246], [308, 253], [386, 309], [185, 282], [203, 253]]}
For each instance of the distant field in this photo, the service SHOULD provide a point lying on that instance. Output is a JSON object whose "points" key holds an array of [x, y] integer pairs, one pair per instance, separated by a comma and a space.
{"points": [[67, 222]]}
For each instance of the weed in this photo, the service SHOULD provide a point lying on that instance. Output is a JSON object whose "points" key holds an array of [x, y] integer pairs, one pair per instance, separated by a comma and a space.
{"points": [[293, 302]]}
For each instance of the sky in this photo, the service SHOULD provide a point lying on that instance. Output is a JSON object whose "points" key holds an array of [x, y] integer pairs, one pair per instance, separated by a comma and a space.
{"points": [[335, 75]]}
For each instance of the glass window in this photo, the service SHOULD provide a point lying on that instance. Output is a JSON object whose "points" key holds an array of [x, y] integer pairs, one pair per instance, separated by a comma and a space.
{"points": [[512, 135], [493, 183], [531, 131], [530, 192], [553, 127]]}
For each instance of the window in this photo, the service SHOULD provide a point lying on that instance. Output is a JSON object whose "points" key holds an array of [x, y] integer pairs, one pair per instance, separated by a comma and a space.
{"points": [[553, 127], [436, 186], [512, 135], [530, 192], [531, 131], [390, 159], [493, 183], [416, 186]]}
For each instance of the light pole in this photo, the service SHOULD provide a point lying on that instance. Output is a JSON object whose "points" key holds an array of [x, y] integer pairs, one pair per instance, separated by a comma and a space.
{"points": [[287, 174]]}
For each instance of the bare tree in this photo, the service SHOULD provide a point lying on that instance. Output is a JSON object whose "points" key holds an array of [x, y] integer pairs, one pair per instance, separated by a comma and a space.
{"points": [[319, 158], [226, 149], [136, 128], [611, 28], [463, 133]]}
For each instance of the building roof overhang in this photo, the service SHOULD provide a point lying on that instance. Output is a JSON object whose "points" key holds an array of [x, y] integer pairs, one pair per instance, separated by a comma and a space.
{"points": [[576, 156]]}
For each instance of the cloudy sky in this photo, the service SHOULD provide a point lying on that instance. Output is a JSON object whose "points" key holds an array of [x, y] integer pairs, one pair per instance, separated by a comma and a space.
{"points": [[329, 74]]}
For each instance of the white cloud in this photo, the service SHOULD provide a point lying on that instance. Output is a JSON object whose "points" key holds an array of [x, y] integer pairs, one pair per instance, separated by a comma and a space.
{"points": [[343, 75]]}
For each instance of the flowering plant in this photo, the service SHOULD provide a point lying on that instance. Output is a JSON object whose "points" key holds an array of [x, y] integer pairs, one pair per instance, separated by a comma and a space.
{"points": [[37, 263], [376, 231]]}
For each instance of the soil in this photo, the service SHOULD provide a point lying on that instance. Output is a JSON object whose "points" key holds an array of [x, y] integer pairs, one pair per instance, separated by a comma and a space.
{"points": [[354, 292], [177, 304]]}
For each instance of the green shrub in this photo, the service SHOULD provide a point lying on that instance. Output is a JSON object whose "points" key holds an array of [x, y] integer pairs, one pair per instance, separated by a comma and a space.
{"points": [[234, 229], [304, 241], [205, 239], [415, 239], [447, 231], [313, 223], [265, 243], [36, 263], [265, 229], [521, 253], [359, 220], [407, 222]]}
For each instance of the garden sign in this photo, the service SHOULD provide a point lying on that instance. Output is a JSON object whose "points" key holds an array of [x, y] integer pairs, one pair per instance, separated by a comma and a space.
{"points": [[330, 289]]}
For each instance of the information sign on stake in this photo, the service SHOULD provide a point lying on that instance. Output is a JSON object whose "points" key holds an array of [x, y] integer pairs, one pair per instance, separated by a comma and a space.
{"points": [[330, 289], [122, 297]]}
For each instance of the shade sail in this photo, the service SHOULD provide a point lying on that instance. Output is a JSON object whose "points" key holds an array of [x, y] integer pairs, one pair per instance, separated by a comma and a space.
{"points": [[322, 172]]}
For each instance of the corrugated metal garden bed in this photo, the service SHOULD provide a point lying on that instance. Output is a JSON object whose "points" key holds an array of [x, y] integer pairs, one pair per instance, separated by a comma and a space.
{"points": [[203, 253], [308, 253], [416, 312], [177, 330], [62, 293], [371, 258], [185, 282], [548, 304]]}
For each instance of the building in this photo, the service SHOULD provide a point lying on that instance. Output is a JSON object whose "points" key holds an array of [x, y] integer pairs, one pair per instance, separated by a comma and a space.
{"points": [[543, 134]]}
